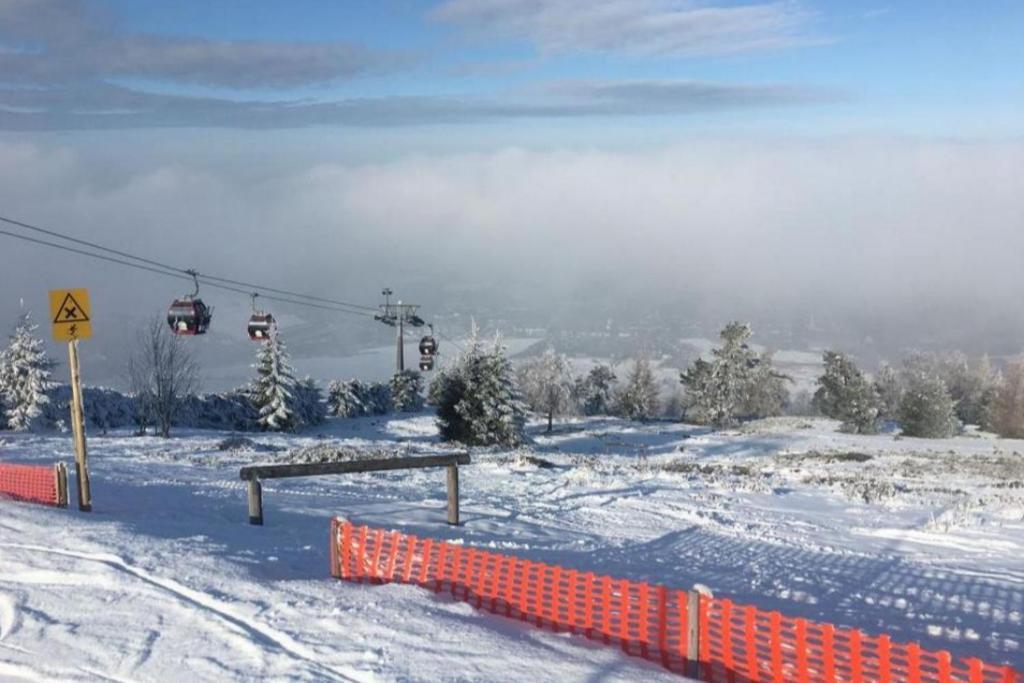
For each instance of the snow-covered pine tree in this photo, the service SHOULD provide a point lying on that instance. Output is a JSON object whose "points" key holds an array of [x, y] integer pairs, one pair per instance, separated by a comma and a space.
{"points": [[271, 392], [445, 392], [25, 376], [309, 402], [378, 398], [436, 387], [845, 394], [596, 391], [889, 388], [696, 381], [477, 400], [767, 393], [972, 384], [346, 398], [548, 383], [1006, 417], [722, 390], [927, 409], [638, 399], [407, 391]]}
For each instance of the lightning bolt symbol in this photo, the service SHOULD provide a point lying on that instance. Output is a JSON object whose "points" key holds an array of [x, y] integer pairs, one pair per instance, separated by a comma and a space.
{"points": [[74, 330]]}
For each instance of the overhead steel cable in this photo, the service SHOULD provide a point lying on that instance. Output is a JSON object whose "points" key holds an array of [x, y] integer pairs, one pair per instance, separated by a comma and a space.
{"points": [[170, 272], [334, 302], [456, 344], [86, 243], [182, 272], [167, 271]]}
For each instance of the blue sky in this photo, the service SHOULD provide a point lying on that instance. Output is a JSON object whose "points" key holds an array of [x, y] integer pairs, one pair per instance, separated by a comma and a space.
{"points": [[927, 68]]}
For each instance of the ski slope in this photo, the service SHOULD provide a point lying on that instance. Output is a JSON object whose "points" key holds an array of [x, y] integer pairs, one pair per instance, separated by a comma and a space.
{"points": [[166, 581]]}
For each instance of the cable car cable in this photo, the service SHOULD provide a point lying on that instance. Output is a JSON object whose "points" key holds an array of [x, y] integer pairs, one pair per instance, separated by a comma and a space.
{"points": [[171, 272], [183, 271], [86, 243]]}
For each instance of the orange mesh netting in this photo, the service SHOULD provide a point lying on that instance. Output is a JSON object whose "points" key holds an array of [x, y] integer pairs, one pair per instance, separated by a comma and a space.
{"points": [[738, 643], [742, 643], [34, 483]]}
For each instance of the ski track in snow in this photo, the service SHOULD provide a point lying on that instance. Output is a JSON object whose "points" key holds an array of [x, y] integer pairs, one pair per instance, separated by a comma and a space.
{"points": [[211, 606]]}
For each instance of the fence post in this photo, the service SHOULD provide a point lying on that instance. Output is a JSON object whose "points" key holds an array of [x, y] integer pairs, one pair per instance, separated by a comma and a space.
{"points": [[255, 501], [693, 634], [60, 473], [333, 549], [453, 494]]}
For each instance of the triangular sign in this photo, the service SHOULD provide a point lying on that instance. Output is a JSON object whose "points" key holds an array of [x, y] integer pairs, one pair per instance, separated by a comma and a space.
{"points": [[71, 311]]}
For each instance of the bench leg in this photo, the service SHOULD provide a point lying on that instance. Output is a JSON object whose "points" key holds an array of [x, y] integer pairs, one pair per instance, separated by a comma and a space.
{"points": [[453, 494], [255, 502]]}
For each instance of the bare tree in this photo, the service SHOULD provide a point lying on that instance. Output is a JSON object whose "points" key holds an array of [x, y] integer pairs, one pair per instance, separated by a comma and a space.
{"points": [[162, 373], [1007, 415], [142, 396], [548, 383]]}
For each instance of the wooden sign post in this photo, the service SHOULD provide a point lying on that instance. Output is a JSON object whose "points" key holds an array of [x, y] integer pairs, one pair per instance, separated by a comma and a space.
{"points": [[69, 311]]}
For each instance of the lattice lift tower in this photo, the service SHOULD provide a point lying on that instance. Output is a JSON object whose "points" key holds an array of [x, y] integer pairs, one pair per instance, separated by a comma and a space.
{"points": [[398, 315]]}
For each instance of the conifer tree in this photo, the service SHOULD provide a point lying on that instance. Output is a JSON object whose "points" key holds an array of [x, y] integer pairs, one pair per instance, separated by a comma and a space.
{"points": [[309, 402], [271, 391], [596, 391], [972, 385], [927, 409], [889, 389], [766, 393], [477, 400], [347, 398], [638, 399], [737, 382], [845, 394], [24, 376], [407, 391]]}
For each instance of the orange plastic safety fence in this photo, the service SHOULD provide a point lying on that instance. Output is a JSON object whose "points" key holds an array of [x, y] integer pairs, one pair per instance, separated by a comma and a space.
{"points": [[33, 483], [738, 643], [644, 620]]}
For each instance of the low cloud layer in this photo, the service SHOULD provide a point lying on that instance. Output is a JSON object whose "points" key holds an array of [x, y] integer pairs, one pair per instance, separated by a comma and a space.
{"points": [[842, 229], [646, 27]]}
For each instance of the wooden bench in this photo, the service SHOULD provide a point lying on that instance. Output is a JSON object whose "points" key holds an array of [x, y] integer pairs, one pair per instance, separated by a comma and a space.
{"points": [[255, 473]]}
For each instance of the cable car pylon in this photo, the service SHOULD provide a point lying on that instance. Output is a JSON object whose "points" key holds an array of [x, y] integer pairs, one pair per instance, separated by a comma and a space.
{"points": [[398, 315]]}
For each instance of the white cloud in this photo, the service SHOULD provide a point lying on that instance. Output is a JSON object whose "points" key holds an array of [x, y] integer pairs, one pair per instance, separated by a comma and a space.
{"points": [[643, 27]]}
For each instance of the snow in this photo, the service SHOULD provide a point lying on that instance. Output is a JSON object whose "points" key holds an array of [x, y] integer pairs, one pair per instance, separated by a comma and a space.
{"points": [[165, 580]]}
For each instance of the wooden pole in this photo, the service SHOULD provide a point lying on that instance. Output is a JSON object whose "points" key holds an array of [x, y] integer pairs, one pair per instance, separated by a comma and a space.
{"points": [[335, 560], [693, 634], [61, 474], [78, 430], [255, 502], [453, 494]]}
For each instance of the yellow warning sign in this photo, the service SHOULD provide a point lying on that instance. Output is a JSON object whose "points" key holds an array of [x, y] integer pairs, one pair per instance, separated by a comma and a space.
{"points": [[69, 310]]}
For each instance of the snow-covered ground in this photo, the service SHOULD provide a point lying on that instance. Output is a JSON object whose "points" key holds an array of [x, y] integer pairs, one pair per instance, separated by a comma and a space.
{"points": [[166, 580]]}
